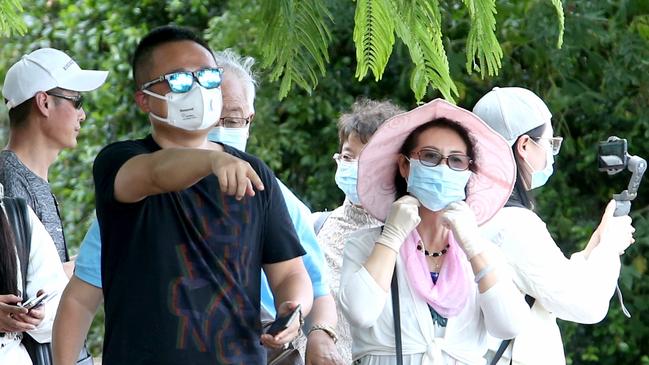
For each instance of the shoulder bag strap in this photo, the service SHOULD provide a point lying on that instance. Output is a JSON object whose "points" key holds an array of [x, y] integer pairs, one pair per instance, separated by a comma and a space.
{"points": [[320, 221], [397, 316], [503, 345]]}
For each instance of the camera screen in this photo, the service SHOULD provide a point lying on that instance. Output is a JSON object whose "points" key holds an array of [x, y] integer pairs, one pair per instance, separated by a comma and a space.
{"points": [[612, 155]]}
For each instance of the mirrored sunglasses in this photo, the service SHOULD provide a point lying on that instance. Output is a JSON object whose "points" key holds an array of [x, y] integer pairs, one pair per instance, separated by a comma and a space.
{"points": [[182, 81]]}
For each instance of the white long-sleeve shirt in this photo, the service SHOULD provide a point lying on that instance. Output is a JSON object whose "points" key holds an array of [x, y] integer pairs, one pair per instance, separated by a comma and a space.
{"points": [[369, 310], [575, 289], [44, 272]]}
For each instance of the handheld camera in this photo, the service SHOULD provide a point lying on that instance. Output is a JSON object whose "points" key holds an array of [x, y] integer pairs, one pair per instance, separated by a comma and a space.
{"points": [[612, 157]]}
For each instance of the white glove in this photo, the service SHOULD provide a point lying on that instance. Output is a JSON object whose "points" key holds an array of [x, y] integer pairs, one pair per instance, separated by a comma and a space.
{"points": [[403, 218], [458, 217], [615, 231]]}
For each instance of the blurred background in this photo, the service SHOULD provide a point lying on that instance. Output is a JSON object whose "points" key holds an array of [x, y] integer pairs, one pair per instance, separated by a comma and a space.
{"points": [[596, 85]]}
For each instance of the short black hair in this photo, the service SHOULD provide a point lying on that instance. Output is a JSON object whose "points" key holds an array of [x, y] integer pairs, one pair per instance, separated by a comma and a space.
{"points": [[19, 113], [155, 38]]}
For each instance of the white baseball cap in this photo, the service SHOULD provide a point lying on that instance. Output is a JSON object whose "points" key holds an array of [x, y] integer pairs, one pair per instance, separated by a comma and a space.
{"points": [[512, 111], [46, 69]]}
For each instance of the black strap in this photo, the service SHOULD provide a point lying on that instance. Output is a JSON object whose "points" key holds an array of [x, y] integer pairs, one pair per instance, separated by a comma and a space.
{"points": [[18, 217], [65, 242], [397, 317], [503, 345]]}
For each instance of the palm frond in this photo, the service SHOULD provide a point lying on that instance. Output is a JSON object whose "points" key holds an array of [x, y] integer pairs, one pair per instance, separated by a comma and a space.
{"points": [[419, 26], [295, 42], [10, 17], [373, 36], [483, 51], [558, 5]]}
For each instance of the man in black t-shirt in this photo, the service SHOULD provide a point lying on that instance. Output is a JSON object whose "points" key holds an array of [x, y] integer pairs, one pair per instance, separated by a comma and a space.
{"points": [[183, 232]]}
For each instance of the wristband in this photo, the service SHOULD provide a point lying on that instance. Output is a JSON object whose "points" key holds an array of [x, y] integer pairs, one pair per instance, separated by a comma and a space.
{"points": [[482, 273], [326, 329]]}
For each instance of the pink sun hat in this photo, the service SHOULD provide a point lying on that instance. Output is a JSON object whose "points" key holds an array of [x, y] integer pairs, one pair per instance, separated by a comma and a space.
{"points": [[487, 191]]}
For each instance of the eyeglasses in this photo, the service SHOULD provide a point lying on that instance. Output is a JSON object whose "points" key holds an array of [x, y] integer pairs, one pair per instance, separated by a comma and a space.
{"points": [[555, 143], [182, 81], [343, 158], [77, 100], [234, 122], [455, 161]]}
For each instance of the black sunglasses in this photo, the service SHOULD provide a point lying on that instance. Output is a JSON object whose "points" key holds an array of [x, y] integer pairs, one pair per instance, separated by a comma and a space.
{"points": [[76, 100]]}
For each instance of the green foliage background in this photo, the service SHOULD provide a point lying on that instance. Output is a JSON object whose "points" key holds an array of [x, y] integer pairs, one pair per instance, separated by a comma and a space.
{"points": [[596, 85]]}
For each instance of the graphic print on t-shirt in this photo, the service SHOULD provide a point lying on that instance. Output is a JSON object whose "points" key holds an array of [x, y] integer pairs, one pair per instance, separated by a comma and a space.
{"points": [[194, 300]]}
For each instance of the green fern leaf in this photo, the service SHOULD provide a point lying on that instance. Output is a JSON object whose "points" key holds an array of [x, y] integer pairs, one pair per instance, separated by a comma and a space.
{"points": [[10, 17], [559, 8], [373, 36], [483, 51], [295, 42], [418, 25]]}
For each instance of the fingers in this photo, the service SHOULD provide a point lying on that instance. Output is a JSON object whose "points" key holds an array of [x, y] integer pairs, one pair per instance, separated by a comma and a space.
{"points": [[236, 177], [408, 199], [11, 323], [9, 299], [29, 319], [6, 309], [255, 179], [609, 211], [268, 341]]}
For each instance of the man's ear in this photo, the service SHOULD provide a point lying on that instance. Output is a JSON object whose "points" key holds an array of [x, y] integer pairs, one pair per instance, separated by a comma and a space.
{"points": [[41, 104], [142, 101]]}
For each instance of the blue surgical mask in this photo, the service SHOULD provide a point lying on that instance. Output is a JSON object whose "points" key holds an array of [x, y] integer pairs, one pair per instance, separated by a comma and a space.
{"points": [[234, 137], [346, 177], [539, 178], [438, 186]]}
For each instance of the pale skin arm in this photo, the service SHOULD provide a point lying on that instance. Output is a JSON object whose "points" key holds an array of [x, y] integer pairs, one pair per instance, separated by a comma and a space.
{"points": [[79, 303], [291, 285], [175, 169], [479, 262], [320, 348]]}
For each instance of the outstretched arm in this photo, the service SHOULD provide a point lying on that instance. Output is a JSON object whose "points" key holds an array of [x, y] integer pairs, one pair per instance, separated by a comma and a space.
{"points": [[175, 169]]}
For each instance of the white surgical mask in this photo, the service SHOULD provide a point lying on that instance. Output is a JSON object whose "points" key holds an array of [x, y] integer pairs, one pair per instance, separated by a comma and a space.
{"points": [[346, 178], [438, 186], [197, 109], [234, 137]]}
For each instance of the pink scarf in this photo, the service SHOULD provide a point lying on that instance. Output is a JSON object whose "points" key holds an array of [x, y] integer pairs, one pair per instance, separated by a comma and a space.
{"points": [[450, 294]]}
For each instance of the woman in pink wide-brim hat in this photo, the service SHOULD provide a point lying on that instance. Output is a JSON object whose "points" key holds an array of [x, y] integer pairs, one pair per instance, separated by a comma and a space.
{"points": [[432, 175]]}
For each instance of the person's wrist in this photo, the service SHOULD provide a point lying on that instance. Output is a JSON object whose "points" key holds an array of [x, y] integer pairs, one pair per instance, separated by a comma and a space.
{"points": [[325, 329]]}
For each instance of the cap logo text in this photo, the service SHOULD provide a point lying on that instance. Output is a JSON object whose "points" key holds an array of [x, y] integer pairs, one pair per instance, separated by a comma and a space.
{"points": [[67, 65]]}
